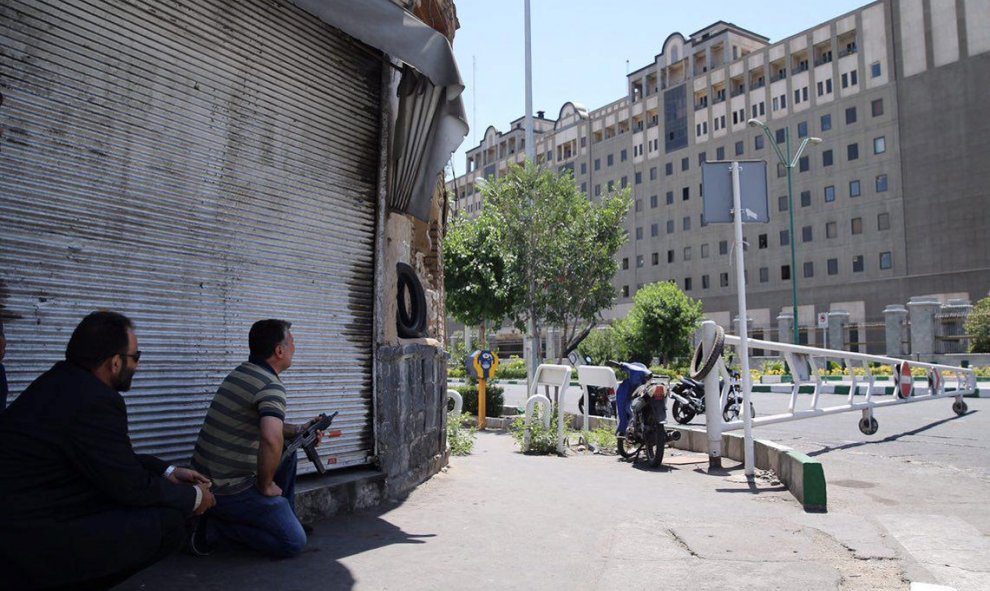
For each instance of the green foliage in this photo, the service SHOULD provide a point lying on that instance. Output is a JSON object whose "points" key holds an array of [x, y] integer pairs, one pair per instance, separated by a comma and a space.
{"points": [[460, 434], [602, 344], [455, 365], [493, 399], [557, 247], [602, 440], [514, 368], [543, 440], [660, 323], [978, 327]]}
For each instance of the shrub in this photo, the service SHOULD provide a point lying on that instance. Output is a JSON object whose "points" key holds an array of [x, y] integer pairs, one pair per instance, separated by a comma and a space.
{"points": [[543, 440], [493, 399], [512, 368], [601, 439], [460, 435], [978, 327]]}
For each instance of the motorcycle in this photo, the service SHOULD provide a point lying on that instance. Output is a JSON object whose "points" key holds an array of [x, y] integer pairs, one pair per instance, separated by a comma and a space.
{"points": [[601, 399], [641, 402], [689, 400]]}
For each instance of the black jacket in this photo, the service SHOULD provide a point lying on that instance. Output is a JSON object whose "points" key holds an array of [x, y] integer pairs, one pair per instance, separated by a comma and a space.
{"points": [[65, 453]]}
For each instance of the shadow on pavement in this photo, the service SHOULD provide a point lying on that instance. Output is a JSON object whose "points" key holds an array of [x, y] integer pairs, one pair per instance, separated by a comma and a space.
{"points": [[888, 439], [318, 567]]}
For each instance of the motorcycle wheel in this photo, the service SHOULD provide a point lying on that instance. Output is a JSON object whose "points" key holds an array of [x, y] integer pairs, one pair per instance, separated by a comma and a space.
{"points": [[627, 449], [656, 440], [731, 411], [581, 404], [682, 414]]}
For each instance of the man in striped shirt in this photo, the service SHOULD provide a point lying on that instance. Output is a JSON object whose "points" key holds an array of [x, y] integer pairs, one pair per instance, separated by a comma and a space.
{"points": [[240, 446]]}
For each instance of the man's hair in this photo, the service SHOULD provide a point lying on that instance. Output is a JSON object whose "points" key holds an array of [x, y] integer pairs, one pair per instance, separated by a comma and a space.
{"points": [[99, 336], [265, 335]]}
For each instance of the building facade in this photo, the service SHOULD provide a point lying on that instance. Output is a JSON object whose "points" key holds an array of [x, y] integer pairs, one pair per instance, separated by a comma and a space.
{"points": [[891, 204]]}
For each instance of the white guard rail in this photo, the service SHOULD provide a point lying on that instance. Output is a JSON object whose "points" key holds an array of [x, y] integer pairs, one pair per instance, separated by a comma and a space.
{"points": [[803, 364], [548, 376], [597, 376]]}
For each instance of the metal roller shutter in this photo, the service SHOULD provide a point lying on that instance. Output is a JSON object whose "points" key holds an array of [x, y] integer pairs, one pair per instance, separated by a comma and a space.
{"points": [[197, 166]]}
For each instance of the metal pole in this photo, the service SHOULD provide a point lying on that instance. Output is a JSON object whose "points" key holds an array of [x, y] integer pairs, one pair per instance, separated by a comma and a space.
{"points": [[737, 220], [790, 210], [713, 412], [530, 143]]}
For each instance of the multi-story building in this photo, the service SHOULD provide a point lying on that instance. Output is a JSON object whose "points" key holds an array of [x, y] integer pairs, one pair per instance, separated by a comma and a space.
{"points": [[892, 204]]}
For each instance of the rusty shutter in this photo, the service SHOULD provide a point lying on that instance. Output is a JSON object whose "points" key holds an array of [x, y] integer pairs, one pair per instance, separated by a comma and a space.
{"points": [[196, 166]]}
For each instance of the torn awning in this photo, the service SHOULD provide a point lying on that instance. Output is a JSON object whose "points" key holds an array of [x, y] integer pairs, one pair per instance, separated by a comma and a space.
{"points": [[430, 122]]}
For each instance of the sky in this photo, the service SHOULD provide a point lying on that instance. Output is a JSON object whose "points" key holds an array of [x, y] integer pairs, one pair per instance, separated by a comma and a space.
{"points": [[580, 48]]}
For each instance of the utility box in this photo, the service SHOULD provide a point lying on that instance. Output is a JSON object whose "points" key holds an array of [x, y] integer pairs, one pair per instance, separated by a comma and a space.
{"points": [[482, 364]]}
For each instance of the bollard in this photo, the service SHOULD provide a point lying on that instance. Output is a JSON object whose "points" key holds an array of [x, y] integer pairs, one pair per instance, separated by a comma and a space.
{"points": [[713, 411]]}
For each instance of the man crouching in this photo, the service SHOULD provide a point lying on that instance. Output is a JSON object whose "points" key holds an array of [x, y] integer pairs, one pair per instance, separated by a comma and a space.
{"points": [[240, 447]]}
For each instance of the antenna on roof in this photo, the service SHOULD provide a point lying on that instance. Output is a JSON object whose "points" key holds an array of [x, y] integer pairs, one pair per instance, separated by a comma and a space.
{"points": [[627, 67]]}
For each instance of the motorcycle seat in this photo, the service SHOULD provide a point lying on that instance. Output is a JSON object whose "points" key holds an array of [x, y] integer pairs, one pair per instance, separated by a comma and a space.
{"points": [[691, 383]]}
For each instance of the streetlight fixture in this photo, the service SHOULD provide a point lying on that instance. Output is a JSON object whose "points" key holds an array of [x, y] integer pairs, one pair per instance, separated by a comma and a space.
{"points": [[789, 163]]}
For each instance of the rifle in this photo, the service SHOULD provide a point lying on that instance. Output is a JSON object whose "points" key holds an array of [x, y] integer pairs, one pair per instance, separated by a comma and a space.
{"points": [[307, 441]]}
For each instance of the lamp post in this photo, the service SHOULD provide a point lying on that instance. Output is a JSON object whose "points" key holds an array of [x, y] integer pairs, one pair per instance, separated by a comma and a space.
{"points": [[789, 164]]}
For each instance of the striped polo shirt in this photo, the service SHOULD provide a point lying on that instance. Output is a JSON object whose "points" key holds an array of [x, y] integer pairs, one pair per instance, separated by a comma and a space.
{"points": [[227, 447]]}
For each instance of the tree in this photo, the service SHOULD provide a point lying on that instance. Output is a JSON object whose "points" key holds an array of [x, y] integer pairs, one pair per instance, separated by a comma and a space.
{"points": [[978, 327], [479, 284], [602, 344], [561, 246], [660, 323]]}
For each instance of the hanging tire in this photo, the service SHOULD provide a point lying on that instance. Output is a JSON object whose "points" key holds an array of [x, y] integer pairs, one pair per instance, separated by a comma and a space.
{"points": [[701, 365], [682, 413], [868, 425], [411, 313], [656, 440], [959, 407], [627, 449]]}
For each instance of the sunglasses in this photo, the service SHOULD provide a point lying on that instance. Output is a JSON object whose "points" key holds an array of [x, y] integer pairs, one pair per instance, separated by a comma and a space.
{"points": [[136, 356]]}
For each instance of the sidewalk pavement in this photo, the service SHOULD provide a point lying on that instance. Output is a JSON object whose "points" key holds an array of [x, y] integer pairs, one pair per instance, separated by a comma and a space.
{"points": [[499, 519]]}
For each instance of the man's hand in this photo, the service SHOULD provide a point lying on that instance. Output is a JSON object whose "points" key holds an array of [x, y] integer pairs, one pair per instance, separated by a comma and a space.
{"points": [[311, 422], [270, 490], [187, 476], [208, 502]]}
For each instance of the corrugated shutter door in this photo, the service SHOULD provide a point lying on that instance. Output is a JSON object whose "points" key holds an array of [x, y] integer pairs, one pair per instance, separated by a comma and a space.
{"points": [[197, 166]]}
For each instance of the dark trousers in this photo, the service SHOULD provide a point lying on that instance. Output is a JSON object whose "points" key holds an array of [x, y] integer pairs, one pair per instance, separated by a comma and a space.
{"points": [[92, 552]]}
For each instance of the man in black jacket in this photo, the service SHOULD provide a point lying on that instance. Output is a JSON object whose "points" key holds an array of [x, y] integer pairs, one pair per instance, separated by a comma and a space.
{"points": [[78, 508]]}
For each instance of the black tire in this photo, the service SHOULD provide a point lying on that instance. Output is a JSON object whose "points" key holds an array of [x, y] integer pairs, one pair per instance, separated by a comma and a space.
{"points": [[656, 440], [411, 322], [868, 426], [959, 407], [701, 366], [682, 413], [731, 411], [627, 450]]}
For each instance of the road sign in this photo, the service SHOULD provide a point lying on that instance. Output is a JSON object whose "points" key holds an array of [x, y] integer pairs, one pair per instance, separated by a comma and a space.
{"points": [[823, 320], [716, 182], [903, 381]]}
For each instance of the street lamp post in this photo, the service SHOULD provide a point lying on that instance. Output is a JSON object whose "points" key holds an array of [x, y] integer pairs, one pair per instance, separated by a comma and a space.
{"points": [[789, 163]]}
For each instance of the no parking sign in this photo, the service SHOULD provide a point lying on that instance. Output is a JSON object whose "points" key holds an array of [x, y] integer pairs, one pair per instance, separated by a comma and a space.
{"points": [[903, 381]]}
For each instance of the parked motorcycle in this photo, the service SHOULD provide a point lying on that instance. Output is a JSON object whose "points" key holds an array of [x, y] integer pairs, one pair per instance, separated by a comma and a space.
{"points": [[600, 398], [641, 403], [689, 400]]}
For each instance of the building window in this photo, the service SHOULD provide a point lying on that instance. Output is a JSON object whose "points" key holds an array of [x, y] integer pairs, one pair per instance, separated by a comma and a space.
{"points": [[827, 158], [856, 225], [623, 156], [670, 197], [687, 222], [858, 263], [829, 193], [584, 168], [687, 253], [653, 201], [785, 272], [886, 261], [639, 233], [624, 182], [826, 122], [610, 159], [670, 226], [704, 250], [610, 186], [758, 142], [854, 189], [883, 221], [881, 183], [764, 274], [625, 263], [639, 205], [740, 147], [668, 168], [640, 261], [654, 230], [805, 198], [850, 115], [625, 291], [687, 284], [803, 129], [875, 70], [584, 187], [785, 237], [781, 135], [639, 178], [782, 203], [781, 170], [653, 173], [852, 152], [685, 193], [598, 163], [762, 241], [704, 282], [806, 234], [833, 266], [655, 259], [831, 229], [598, 190], [804, 164], [877, 107], [702, 158], [720, 153], [809, 269], [879, 145], [685, 163], [723, 247]]}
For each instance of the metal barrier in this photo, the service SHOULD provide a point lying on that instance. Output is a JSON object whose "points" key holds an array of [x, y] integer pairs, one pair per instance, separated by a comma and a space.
{"points": [[804, 364], [549, 376], [458, 402], [597, 376]]}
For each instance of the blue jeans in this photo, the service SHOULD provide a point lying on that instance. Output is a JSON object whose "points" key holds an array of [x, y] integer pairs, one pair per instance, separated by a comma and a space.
{"points": [[266, 524]]}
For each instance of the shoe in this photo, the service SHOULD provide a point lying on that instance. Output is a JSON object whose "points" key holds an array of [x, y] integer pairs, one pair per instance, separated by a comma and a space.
{"points": [[198, 546]]}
